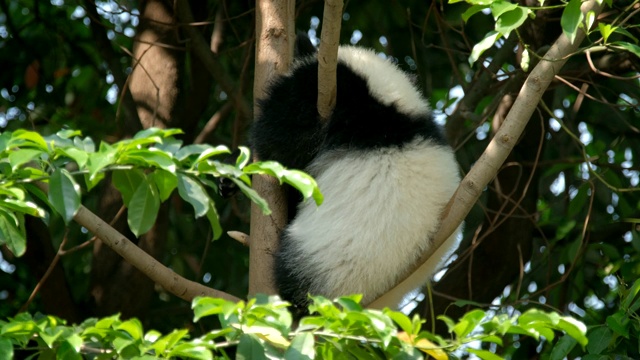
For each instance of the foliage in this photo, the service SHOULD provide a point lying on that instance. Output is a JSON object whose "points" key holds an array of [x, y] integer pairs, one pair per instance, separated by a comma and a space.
{"points": [[147, 169], [262, 328], [569, 200]]}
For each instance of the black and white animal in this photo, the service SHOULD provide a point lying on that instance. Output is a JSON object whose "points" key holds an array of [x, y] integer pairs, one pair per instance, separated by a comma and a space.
{"points": [[382, 164]]}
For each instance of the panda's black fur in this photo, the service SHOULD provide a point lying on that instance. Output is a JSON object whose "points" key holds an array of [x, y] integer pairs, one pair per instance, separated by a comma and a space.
{"points": [[381, 162]]}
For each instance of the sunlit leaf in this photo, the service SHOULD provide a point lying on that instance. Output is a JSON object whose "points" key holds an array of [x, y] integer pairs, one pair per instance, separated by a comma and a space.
{"points": [[511, 20], [302, 347], [25, 138], [192, 192], [22, 156], [133, 327], [483, 45], [26, 207], [98, 161]]}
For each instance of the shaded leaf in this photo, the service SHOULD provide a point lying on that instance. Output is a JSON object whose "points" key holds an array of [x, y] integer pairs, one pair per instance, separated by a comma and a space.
{"points": [[143, 208], [64, 194], [12, 235], [571, 19], [127, 182]]}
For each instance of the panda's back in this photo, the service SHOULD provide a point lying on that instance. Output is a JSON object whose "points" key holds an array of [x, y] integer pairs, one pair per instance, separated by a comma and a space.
{"points": [[381, 208]]}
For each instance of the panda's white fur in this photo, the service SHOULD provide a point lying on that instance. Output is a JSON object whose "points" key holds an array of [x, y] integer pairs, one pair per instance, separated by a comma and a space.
{"points": [[384, 189], [353, 230]]}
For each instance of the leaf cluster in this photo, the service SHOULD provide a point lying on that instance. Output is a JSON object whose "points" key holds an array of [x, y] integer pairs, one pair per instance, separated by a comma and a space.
{"points": [[509, 17], [146, 170], [263, 328]]}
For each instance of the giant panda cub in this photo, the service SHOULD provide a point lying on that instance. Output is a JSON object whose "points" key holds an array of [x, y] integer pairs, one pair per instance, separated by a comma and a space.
{"points": [[381, 162]]}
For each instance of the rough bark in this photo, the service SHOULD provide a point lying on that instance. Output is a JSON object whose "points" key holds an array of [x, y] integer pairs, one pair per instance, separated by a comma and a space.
{"points": [[275, 37]]}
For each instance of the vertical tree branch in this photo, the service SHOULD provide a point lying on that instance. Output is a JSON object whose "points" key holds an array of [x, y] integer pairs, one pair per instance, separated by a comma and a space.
{"points": [[275, 37], [328, 57]]}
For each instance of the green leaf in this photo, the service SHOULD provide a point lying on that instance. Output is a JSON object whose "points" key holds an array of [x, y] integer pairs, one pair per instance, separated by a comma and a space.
{"points": [[599, 339], [86, 144], [193, 193], [22, 138], [206, 306], [632, 48], [68, 133], [302, 347], [64, 194], [484, 354], [250, 348], [23, 156], [98, 161], [67, 350], [214, 220], [220, 149], [402, 320], [468, 323], [192, 149], [304, 183], [511, 20], [5, 137], [50, 334], [12, 235], [253, 196], [571, 19], [619, 323], [448, 321], [143, 208], [630, 296], [26, 207], [169, 341], [296, 178], [606, 30], [153, 131], [565, 228], [483, 45], [79, 156], [6, 347], [500, 7], [563, 347], [192, 351], [127, 182], [149, 157], [243, 158], [472, 11], [165, 181], [133, 327], [573, 328]]}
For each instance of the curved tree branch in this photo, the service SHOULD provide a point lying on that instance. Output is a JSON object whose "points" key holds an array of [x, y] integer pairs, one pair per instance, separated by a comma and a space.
{"points": [[487, 166], [156, 271]]}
